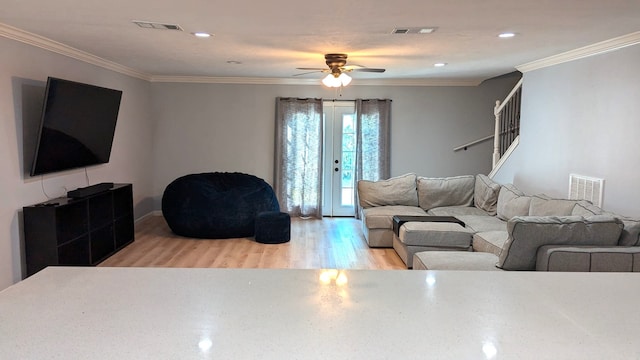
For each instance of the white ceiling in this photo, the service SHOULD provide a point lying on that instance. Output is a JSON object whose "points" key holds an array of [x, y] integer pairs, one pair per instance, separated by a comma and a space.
{"points": [[272, 38]]}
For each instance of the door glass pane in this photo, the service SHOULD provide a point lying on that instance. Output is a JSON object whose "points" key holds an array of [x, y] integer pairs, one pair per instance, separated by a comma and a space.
{"points": [[348, 159]]}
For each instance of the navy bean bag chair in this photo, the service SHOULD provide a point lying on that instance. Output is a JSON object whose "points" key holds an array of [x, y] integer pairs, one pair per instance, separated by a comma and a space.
{"points": [[216, 205]]}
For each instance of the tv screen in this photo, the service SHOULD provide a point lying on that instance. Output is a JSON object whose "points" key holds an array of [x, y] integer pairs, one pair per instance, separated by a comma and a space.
{"points": [[77, 126]]}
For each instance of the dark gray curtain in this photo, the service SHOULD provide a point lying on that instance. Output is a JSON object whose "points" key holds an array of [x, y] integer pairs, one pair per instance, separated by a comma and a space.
{"points": [[373, 150], [298, 163]]}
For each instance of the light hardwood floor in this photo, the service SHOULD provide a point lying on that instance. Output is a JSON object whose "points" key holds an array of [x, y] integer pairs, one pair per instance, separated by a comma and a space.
{"points": [[315, 244]]}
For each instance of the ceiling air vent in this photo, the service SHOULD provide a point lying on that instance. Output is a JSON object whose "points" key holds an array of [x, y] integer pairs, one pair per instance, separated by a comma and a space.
{"points": [[155, 25], [400, 31], [420, 30]]}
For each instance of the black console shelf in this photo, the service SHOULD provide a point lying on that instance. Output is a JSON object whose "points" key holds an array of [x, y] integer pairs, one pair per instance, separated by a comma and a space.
{"points": [[79, 231]]}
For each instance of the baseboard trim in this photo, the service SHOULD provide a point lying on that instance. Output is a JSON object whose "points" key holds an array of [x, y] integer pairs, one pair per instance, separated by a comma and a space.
{"points": [[148, 215]]}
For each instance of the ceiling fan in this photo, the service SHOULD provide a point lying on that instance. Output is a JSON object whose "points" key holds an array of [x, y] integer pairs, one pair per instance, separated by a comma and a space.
{"points": [[337, 70]]}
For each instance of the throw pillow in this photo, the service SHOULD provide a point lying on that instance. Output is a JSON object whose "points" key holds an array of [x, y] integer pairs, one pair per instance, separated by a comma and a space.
{"points": [[512, 202], [485, 194], [450, 191], [585, 208], [400, 190]]}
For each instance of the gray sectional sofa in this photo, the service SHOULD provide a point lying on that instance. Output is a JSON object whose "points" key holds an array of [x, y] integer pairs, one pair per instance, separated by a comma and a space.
{"points": [[503, 228]]}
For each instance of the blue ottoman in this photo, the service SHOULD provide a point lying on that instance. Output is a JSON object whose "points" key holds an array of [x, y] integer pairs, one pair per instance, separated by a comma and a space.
{"points": [[273, 227]]}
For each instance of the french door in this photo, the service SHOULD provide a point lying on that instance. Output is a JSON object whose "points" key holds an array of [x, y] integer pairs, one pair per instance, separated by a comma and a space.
{"points": [[339, 158]]}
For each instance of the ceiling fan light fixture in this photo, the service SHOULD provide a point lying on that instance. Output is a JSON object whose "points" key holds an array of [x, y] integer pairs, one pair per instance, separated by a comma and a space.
{"points": [[344, 79], [329, 81], [332, 80]]}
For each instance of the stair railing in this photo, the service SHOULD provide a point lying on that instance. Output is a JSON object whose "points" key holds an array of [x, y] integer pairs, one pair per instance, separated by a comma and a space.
{"points": [[507, 125]]}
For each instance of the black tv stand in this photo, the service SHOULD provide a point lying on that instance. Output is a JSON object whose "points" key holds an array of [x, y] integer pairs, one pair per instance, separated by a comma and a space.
{"points": [[83, 192], [83, 232]]}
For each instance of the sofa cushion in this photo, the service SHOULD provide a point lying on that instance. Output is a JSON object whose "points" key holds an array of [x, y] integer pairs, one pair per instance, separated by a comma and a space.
{"points": [[485, 194], [454, 260], [490, 241], [437, 234], [512, 202], [528, 233], [457, 211], [381, 217], [483, 223], [399, 190], [450, 191], [545, 206], [588, 258]]}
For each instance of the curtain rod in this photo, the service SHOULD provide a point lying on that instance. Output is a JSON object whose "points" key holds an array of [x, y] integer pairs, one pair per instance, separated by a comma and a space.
{"points": [[356, 99], [334, 100]]}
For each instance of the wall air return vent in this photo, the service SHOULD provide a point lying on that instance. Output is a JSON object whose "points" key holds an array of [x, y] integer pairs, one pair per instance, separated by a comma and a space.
{"points": [[156, 25], [586, 188]]}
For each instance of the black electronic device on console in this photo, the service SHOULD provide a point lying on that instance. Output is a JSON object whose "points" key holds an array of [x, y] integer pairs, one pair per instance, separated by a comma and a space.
{"points": [[89, 190]]}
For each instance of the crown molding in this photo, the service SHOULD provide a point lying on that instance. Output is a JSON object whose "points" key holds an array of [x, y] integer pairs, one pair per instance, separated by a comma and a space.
{"points": [[419, 82], [283, 81], [231, 80], [583, 52], [41, 42]]}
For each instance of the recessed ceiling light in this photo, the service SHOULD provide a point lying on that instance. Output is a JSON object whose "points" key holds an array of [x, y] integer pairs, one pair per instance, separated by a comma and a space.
{"points": [[506, 35], [439, 64], [202, 34]]}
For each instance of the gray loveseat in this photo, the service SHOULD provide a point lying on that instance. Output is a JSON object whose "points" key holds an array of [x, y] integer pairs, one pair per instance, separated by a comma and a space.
{"points": [[505, 228]]}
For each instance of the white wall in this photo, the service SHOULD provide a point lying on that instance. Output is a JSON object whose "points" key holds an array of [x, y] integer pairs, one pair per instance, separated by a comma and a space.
{"points": [[582, 117], [217, 127], [23, 75]]}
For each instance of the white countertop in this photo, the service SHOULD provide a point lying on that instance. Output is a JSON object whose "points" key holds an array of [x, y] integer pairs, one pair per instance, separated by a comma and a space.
{"points": [[160, 313]]}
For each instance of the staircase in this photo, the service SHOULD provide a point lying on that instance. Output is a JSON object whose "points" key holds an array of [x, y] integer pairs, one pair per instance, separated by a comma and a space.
{"points": [[507, 129]]}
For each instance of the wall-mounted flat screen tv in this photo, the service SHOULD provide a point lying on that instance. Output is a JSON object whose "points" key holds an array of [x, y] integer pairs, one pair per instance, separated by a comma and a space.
{"points": [[77, 126]]}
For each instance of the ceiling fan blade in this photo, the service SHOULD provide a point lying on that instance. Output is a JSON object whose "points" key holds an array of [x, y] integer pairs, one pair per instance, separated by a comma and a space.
{"points": [[337, 65], [369, 70], [308, 72]]}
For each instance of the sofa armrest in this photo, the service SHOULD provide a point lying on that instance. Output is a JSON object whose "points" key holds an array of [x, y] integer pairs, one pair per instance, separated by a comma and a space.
{"points": [[588, 258], [528, 233]]}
